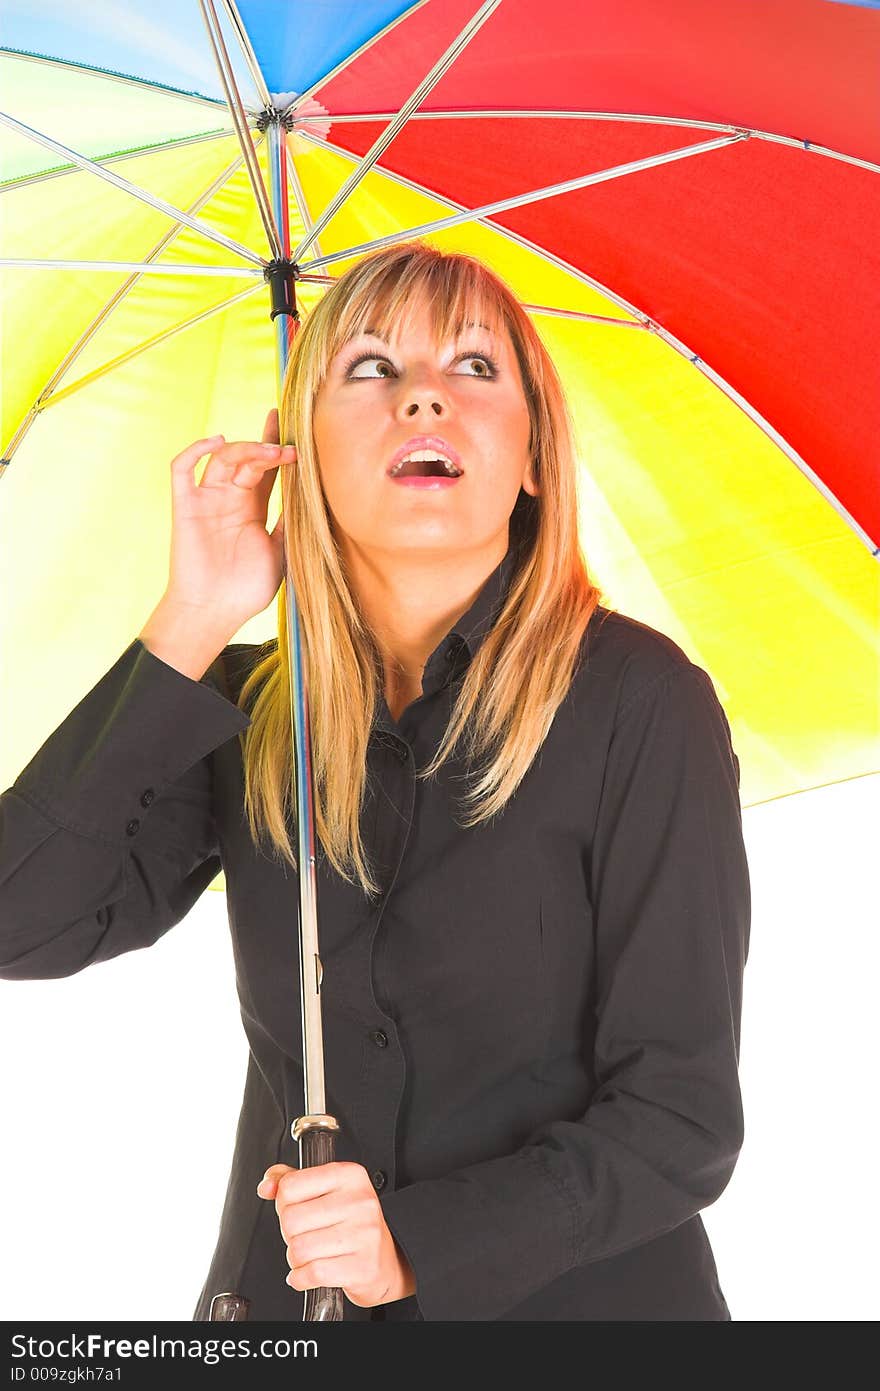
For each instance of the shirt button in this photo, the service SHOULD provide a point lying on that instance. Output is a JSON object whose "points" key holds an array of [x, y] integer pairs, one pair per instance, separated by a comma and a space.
{"points": [[379, 1038], [132, 827], [147, 797], [379, 1179], [403, 754]]}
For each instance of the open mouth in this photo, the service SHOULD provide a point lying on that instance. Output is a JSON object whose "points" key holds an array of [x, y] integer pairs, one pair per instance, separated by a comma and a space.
{"points": [[425, 468], [424, 463]]}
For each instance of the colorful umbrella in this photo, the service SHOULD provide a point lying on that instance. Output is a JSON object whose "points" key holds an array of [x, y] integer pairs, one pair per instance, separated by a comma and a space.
{"points": [[681, 195]]}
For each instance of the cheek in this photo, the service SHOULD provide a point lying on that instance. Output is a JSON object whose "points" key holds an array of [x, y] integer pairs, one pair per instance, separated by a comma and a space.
{"points": [[506, 443], [336, 458]]}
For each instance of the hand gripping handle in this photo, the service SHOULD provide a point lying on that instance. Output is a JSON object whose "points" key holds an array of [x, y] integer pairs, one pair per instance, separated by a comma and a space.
{"points": [[317, 1145]]}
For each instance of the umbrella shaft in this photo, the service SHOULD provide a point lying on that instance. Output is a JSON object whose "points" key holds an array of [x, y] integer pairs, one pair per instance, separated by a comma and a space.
{"points": [[310, 973]]}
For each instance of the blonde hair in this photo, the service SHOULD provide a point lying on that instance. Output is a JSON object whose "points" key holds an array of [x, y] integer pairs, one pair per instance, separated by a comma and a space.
{"points": [[525, 663]]}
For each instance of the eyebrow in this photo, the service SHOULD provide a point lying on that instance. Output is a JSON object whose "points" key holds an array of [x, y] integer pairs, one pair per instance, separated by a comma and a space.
{"points": [[459, 329]]}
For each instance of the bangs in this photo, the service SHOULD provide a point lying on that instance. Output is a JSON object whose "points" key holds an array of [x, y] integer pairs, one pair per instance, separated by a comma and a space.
{"points": [[455, 292]]}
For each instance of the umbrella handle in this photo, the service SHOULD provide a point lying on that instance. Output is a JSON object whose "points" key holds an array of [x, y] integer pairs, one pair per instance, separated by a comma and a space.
{"points": [[317, 1145]]}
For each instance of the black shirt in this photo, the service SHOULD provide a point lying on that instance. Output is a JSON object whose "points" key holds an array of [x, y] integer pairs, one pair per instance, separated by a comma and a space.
{"points": [[531, 1040]]}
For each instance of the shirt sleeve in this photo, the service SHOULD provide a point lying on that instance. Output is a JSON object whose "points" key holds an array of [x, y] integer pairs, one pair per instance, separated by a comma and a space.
{"points": [[661, 1135], [107, 836]]}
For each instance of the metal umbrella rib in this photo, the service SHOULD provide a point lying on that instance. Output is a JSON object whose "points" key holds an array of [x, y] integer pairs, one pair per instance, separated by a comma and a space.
{"points": [[440, 68], [159, 204], [533, 196], [349, 58], [48, 391], [246, 47], [227, 79], [141, 267]]}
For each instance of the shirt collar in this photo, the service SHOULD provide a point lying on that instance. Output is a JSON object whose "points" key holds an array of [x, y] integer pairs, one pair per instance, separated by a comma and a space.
{"points": [[461, 643]]}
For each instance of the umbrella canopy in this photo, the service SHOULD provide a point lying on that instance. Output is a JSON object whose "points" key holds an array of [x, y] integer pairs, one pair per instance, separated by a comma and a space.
{"points": [[683, 196]]}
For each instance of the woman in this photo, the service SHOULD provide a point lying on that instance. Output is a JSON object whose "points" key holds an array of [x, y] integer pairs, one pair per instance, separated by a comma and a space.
{"points": [[532, 887]]}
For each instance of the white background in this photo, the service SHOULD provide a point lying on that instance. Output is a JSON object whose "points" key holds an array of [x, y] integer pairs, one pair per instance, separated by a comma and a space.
{"points": [[118, 1129]]}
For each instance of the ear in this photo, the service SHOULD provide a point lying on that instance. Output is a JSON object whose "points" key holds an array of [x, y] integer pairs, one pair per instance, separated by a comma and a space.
{"points": [[528, 479]]}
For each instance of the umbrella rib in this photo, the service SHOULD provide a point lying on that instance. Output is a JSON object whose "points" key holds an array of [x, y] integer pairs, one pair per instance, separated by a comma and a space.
{"points": [[159, 204], [635, 117], [153, 342], [227, 79], [142, 152], [103, 314], [299, 195], [581, 316], [110, 366], [653, 326], [500, 230], [349, 58], [126, 79], [158, 268], [779, 440], [248, 53], [532, 196], [427, 84]]}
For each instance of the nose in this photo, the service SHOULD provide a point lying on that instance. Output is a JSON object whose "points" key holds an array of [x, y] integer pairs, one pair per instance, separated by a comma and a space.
{"points": [[424, 390]]}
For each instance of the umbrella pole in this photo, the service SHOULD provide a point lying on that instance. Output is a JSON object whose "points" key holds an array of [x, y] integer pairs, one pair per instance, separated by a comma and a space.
{"points": [[315, 1131]]}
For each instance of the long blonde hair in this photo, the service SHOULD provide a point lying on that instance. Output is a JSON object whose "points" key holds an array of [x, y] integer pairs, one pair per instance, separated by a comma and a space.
{"points": [[524, 666]]}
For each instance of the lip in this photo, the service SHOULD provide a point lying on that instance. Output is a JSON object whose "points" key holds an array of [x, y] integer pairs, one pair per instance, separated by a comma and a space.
{"points": [[426, 481], [426, 442]]}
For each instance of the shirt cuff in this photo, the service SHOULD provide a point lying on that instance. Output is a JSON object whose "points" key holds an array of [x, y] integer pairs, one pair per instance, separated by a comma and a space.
{"points": [[140, 727], [483, 1239]]}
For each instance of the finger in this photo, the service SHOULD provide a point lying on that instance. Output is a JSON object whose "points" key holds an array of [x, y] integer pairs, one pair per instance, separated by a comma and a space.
{"points": [[270, 429], [268, 1185], [330, 1272], [232, 456], [183, 464], [246, 463], [319, 1243], [258, 477], [261, 473], [297, 1185], [316, 1214]]}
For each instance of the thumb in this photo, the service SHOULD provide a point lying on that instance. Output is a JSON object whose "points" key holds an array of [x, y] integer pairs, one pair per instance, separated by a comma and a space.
{"points": [[270, 429], [277, 535], [268, 1185]]}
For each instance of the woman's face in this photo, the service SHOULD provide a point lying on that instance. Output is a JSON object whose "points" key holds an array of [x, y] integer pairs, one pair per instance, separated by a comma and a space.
{"points": [[365, 412]]}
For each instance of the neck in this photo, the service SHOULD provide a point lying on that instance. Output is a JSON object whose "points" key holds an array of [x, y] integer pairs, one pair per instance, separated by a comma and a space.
{"points": [[411, 601]]}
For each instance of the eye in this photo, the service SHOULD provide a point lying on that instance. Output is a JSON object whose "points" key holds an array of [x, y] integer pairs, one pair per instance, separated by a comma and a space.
{"points": [[488, 365], [484, 358], [364, 357]]}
